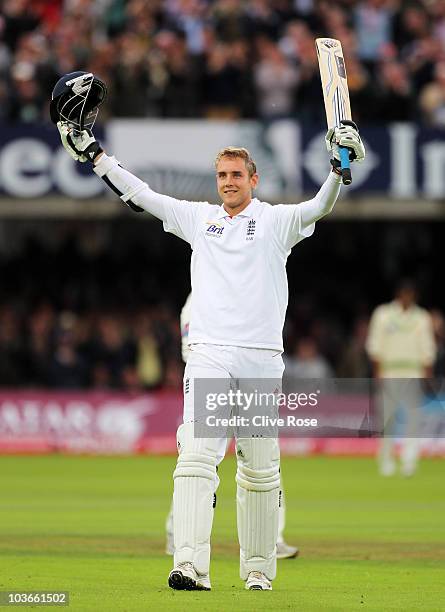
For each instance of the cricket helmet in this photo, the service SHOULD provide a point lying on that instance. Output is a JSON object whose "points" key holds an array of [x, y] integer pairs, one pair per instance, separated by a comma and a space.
{"points": [[76, 98]]}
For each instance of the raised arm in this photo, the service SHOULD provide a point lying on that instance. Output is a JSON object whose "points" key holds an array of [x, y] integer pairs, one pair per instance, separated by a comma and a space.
{"points": [[179, 216], [296, 222], [346, 135], [322, 203], [132, 190]]}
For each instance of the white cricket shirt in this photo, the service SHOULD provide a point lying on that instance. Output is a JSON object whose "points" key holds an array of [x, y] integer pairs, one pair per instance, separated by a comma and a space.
{"points": [[238, 271], [238, 266], [402, 341]]}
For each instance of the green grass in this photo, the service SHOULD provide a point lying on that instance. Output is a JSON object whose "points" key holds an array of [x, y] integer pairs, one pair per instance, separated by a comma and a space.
{"points": [[95, 527]]}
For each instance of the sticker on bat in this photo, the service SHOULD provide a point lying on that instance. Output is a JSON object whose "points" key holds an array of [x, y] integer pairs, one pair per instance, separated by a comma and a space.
{"points": [[341, 66], [330, 43]]}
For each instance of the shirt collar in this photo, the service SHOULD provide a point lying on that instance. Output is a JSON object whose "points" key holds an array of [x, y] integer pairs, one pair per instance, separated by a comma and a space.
{"points": [[247, 212], [398, 308]]}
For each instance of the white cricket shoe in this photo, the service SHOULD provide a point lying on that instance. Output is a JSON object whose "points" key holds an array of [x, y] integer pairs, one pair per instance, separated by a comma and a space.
{"points": [[387, 468], [286, 551], [408, 469], [257, 581], [184, 577]]}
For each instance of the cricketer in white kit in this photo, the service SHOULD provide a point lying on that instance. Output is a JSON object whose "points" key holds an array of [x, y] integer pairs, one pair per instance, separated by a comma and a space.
{"points": [[240, 295], [402, 348], [284, 550]]}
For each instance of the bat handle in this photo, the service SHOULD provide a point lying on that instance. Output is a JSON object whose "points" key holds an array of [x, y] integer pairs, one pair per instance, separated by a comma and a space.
{"points": [[345, 167]]}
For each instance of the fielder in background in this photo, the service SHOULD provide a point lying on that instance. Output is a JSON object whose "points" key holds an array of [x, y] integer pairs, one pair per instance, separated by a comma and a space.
{"points": [[402, 349], [240, 295], [284, 550]]}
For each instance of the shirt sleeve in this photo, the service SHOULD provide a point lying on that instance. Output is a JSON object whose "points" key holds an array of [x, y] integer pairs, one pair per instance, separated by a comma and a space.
{"points": [[179, 217], [294, 222], [427, 342]]}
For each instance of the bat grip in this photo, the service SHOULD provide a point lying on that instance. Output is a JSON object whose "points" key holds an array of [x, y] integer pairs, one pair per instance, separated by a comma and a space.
{"points": [[345, 167]]}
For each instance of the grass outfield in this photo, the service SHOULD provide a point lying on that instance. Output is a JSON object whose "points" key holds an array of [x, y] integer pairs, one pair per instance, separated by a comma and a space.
{"points": [[95, 527]]}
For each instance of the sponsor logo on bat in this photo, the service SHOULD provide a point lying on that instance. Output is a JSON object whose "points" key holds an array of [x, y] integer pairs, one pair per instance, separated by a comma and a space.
{"points": [[330, 43], [341, 68]]}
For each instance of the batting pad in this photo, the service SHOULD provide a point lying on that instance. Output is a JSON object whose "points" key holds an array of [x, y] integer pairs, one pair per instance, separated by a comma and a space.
{"points": [[258, 493], [195, 482]]}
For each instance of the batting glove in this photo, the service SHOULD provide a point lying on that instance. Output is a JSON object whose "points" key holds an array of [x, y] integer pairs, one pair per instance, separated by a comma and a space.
{"points": [[81, 146], [346, 136]]}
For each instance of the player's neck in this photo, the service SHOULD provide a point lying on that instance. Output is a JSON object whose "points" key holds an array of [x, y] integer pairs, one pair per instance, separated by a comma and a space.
{"points": [[232, 212]]}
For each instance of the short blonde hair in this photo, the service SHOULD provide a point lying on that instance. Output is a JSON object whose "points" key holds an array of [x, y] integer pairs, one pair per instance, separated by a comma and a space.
{"points": [[233, 153]]}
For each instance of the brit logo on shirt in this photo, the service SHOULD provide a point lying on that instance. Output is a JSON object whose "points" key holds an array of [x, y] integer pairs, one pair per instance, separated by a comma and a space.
{"points": [[250, 230], [214, 229]]}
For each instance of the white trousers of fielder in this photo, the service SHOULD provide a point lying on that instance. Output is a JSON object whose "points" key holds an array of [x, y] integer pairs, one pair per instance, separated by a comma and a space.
{"points": [[258, 473], [396, 394]]}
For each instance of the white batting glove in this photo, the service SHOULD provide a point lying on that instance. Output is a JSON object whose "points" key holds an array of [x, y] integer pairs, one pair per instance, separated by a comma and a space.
{"points": [[82, 147], [346, 136]]}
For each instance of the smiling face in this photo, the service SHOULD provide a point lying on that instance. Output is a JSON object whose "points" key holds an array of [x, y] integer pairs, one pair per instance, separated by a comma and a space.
{"points": [[234, 184]]}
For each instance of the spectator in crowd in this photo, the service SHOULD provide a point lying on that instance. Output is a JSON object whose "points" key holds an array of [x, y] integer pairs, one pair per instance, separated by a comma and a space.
{"points": [[275, 81], [432, 98], [354, 362], [373, 24], [27, 101], [177, 75], [437, 12], [306, 362], [66, 367], [11, 349], [18, 18], [422, 50], [362, 91], [220, 84], [190, 17], [228, 20], [148, 362], [113, 348], [411, 24], [395, 99], [130, 78], [37, 347]]}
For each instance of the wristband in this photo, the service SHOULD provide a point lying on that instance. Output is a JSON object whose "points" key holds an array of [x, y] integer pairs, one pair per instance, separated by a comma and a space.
{"points": [[93, 151], [336, 166]]}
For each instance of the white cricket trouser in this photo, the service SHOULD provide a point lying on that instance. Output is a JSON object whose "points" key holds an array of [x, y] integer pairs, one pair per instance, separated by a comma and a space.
{"points": [[230, 363], [406, 395]]}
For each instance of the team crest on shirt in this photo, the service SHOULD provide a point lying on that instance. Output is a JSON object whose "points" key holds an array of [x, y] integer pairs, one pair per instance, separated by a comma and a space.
{"points": [[250, 230], [214, 229]]}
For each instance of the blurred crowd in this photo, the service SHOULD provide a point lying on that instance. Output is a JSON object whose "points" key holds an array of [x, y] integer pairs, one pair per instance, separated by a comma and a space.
{"points": [[225, 58], [79, 311], [141, 350], [98, 350]]}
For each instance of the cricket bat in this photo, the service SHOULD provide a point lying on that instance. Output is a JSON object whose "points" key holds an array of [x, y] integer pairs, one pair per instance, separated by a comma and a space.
{"points": [[335, 92]]}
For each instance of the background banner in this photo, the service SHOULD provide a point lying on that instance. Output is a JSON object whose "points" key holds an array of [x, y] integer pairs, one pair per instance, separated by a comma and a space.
{"points": [[121, 423], [403, 161]]}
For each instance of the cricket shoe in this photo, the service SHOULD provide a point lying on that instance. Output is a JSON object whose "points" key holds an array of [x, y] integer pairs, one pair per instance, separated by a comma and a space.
{"points": [[408, 470], [184, 577], [285, 551], [387, 468], [257, 581]]}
